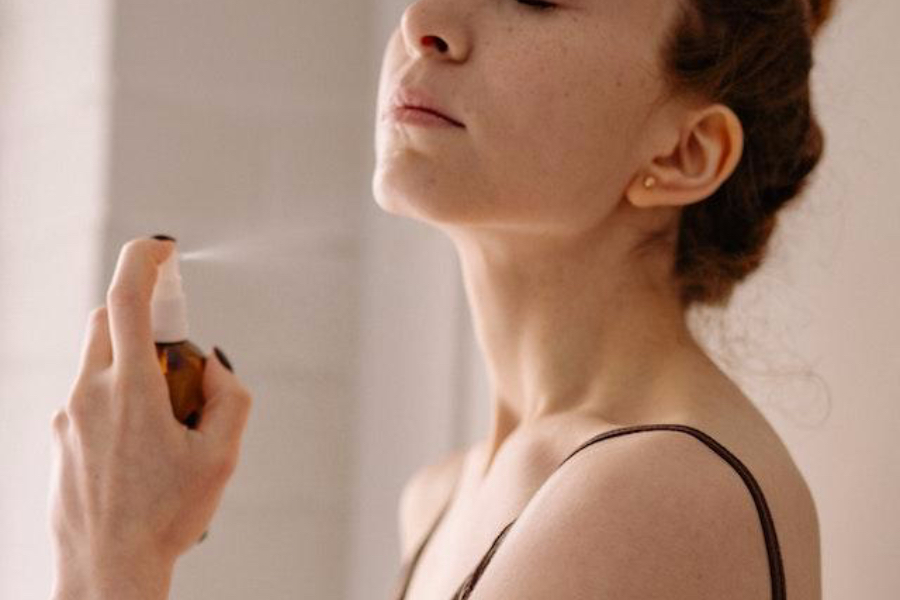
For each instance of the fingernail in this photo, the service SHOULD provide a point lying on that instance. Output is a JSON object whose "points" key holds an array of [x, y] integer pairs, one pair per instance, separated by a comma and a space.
{"points": [[203, 537], [164, 238], [192, 420], [223, 359]]}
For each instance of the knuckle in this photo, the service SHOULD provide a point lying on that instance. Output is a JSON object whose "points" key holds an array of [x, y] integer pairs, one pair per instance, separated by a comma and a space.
{"points": [[97, 316], [81, 406], [223, 467], [78, 409], [60, 420], [96, 320], [136, 383], [119, 295]]}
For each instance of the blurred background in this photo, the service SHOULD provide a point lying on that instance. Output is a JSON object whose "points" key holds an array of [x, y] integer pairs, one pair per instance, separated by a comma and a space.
{"points": [[230, 121]]}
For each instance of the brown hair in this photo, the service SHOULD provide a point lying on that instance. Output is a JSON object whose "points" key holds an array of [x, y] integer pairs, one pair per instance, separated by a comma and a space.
{"points": [[755, 57]]}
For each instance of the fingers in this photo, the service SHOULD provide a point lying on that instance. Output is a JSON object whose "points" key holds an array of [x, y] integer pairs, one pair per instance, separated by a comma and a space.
{"points": [[226, 411], [128, 301], [96, 352]]}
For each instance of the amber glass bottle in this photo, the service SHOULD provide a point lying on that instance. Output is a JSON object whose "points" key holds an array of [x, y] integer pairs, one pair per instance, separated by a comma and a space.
{"points": [[181, 361]]}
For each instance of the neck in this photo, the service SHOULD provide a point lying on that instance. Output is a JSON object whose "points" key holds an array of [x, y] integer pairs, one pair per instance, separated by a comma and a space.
{"points": [[571, 327]]}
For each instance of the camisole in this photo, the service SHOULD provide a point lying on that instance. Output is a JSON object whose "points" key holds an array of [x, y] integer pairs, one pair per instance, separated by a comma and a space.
{"points": [[776, 568]]}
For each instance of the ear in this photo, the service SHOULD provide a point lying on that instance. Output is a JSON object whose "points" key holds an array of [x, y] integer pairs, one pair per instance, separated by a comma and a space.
{"points": [[706, 152]]}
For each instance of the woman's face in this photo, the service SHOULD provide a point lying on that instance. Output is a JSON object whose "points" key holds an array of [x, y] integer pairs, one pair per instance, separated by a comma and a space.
{"points": [[556, 103]]}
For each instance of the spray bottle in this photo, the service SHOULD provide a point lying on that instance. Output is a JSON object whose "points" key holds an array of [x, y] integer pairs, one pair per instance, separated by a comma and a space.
{"points": [[182, 362]]}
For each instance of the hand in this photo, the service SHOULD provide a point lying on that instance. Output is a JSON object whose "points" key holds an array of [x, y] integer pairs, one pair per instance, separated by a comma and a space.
{"points": [[133, 488]]}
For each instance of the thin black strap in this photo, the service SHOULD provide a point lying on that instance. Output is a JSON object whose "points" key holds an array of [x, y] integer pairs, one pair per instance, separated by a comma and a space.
{"points": [[469, 584], [776, 569]]}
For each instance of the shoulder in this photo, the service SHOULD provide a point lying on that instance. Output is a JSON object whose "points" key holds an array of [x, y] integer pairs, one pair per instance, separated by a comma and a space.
{"points": [[422, 497], [652, 514]]}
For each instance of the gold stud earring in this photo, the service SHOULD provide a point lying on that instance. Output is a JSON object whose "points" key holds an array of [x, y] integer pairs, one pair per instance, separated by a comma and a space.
{"points": [[649, 181]]}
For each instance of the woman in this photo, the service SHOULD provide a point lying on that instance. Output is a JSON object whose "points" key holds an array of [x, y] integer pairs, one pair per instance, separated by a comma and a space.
{"points": [[600, 167]]}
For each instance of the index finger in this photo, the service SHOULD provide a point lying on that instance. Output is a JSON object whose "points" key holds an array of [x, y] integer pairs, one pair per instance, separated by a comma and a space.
{"points": [[128, 301]]}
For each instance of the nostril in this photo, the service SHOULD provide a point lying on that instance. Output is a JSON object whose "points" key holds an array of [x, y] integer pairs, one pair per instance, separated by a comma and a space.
{"points": [[441, 44]]}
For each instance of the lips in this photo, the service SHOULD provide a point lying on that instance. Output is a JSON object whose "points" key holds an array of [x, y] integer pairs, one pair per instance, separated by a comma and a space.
{"points": [[408, 97]]}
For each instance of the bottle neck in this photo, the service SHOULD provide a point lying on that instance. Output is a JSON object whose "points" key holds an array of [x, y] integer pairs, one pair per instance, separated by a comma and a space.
{"points": [[168, 307]]}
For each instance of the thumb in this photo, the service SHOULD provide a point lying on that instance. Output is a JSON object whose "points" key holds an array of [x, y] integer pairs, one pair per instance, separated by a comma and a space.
{"points": [[227, 404]]}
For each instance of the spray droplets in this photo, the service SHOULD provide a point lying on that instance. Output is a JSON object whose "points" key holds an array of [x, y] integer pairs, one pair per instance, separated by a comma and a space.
{"points": [[269, 248]]}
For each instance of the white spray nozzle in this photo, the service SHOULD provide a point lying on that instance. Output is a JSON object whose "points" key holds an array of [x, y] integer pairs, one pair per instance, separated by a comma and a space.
{"points": [[168, 307]]}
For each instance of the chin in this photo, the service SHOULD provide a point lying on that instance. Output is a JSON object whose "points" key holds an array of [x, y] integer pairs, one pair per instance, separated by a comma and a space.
{"points": [[408, 192]]}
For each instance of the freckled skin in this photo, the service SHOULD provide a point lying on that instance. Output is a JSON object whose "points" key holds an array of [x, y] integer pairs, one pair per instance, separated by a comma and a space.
{"points": [[554, 104], [565, 113]]}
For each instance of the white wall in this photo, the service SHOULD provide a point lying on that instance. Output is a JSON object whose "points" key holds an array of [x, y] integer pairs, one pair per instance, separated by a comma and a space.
{"points": [[53, 127], [212, 121], [843, 280]]}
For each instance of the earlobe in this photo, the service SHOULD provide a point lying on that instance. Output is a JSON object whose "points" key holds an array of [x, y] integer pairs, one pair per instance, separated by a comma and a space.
{"points": [[642, 191]]}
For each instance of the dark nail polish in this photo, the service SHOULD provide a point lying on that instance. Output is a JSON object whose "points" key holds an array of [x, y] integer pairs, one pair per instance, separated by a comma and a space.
{"points": [[165, 238], [203, 537], [223, 359], [192, 420]]}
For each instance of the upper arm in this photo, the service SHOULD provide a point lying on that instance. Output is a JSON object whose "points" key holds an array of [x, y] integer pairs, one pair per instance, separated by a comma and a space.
{"points": [[655, 515], [422, 498]]}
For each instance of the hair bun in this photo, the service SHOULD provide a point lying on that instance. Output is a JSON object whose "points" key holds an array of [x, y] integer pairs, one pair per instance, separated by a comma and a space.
{"points": [[821, 12]]}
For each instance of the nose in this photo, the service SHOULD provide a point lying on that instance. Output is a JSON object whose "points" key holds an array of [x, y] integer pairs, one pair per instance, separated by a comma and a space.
{"points": [[431, 27]]}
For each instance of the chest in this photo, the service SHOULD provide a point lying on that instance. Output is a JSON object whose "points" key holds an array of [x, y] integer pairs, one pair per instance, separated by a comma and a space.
{"points": [[477, 512], [461, 540]]}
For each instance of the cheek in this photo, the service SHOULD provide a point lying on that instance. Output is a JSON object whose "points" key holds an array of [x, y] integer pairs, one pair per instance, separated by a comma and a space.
{"points": [[560, 119]]}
